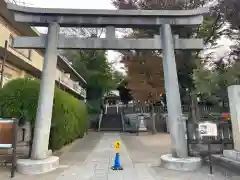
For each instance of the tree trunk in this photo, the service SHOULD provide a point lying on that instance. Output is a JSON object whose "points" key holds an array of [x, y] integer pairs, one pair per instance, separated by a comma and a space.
{"points": [[153, 118]]}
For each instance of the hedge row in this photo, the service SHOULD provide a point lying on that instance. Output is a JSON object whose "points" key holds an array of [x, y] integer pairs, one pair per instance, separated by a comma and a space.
{"points": [[19, 99]]}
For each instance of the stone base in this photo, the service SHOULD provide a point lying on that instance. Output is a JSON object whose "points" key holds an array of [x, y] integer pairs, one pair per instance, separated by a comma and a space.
{"points": [[181, 164], [34, 167]]}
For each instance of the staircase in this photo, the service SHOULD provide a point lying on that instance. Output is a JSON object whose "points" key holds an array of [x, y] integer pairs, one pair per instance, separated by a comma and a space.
{"points": [[111, 121]]}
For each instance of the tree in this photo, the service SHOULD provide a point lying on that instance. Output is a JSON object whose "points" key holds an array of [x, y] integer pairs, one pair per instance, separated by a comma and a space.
{"points": [[212, 83], [210, 31], [231, 12], [124, 92], [93, 66], [145, 78], [230, 9], [97, 72], [118, 77]]}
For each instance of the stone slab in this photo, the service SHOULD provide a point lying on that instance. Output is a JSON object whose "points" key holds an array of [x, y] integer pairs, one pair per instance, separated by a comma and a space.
{"points": [[34, 167], [232, 154], [181, 164], [227, 163]]}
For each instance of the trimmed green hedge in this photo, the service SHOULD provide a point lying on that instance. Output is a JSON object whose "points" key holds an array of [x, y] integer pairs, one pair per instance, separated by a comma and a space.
{"points": [[19, 98]]}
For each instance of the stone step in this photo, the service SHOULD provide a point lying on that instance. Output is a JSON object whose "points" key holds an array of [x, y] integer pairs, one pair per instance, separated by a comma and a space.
{"points": [[111, 122], [111, 129]]}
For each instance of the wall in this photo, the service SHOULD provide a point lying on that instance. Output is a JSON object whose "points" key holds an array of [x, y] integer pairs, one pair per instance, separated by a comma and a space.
{"points": [[32, 57], [6, 32], [11, 72]]}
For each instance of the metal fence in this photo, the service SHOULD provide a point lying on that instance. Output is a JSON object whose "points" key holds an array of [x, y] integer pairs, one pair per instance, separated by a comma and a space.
{"points": [[203, 109]]}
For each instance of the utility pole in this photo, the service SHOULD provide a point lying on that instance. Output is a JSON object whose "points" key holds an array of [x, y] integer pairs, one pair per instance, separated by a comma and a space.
{"points": [[4, 58]]}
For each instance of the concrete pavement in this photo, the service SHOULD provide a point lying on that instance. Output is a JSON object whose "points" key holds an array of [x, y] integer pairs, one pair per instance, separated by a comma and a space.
{"points": [[70, 155], [147, 149], [92, 157]]}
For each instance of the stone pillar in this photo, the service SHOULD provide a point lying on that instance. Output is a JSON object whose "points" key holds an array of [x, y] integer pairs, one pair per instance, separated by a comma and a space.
{"points": [[234, 103], [175, 120], [45, 101]]}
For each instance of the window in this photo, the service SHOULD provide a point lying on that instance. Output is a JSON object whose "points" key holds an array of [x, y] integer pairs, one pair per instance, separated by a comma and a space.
{"points": [[10, 41]]}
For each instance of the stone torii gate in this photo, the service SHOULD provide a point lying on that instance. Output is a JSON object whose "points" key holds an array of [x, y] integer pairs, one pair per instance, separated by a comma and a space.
{"points": [[109, 19]]}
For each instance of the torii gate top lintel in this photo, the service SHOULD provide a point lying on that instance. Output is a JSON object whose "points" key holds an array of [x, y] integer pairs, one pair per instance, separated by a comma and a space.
{"points": [[102, 18], [106, 12]]}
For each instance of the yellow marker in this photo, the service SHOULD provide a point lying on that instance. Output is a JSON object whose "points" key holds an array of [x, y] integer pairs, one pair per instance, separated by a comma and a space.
{"points": [[117, 146]]}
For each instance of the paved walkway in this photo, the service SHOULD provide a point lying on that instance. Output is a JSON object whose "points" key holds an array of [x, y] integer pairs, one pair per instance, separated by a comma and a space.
{"points": [[147, 149], [92, 158]]}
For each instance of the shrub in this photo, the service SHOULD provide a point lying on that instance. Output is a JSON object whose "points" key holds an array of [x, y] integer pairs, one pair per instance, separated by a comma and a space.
{"points": [[19, 99]]}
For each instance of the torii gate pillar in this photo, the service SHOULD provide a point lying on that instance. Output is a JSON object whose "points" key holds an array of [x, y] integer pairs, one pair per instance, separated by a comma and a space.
{"points": [[45, 101], [175, 120]]}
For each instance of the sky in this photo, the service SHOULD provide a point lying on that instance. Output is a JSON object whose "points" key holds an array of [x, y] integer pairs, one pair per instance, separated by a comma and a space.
{"points": [[104, 4]]}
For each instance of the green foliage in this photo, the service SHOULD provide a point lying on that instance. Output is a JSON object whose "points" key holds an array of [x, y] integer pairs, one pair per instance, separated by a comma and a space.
{"points": [[118, 77], [93, 107], [19, 99], [97, 71], [213, 83], [209, 31]]}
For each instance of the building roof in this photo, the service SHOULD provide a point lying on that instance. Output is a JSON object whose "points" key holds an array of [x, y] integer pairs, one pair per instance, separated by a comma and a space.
{"points": [[27, 30]]}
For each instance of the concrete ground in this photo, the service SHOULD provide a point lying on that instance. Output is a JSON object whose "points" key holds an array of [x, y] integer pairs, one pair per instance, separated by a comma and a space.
{"points": [[74, 154], [91, 158]]}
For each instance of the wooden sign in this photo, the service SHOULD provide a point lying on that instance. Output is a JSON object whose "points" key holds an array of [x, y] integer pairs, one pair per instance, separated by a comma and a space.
{"points": [[8, 139], [207, 129], [6, 133]]}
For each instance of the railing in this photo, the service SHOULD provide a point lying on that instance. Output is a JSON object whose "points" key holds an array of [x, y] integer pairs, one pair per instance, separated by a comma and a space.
{"points": [[131, 109], [64, 79]]}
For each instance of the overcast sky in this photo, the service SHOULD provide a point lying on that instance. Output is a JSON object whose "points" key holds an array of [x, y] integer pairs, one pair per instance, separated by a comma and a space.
{"points": [[103, 4]]}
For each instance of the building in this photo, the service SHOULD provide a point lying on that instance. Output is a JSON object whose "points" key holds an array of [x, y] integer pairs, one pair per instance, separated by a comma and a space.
{"points": [[22, 63], [112, 98]]}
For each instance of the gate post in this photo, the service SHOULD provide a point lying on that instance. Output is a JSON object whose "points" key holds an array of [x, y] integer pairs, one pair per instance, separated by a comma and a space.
{"points": [[45, 101], [175, 120]]}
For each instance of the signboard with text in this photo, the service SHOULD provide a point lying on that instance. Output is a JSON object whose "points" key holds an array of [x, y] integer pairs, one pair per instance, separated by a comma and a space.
{"points": [[207, 129]]}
